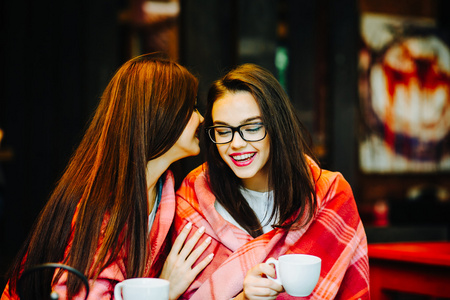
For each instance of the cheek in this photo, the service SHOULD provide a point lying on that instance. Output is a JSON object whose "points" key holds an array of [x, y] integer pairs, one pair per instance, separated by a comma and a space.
{"points": [[222, 149], [265, 149], [193, 123]]}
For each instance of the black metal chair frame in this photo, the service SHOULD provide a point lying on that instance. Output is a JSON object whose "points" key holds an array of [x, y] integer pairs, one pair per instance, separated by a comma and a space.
{"points": [[52, 266]]}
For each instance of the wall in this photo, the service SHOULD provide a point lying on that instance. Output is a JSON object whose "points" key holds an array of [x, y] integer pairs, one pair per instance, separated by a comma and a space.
{"points": [[56, 58]]}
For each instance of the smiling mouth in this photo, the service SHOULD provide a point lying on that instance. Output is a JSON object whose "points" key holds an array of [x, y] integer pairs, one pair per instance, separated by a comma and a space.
{"points": [[242, 157]]}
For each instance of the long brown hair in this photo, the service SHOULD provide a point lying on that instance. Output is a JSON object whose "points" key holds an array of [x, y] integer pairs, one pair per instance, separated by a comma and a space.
{"points": [[141, 114], [289, 176]]}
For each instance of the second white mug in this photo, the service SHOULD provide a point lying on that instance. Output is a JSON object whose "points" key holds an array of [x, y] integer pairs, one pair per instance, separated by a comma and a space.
{"points": [[142, 289], [297, 273]]}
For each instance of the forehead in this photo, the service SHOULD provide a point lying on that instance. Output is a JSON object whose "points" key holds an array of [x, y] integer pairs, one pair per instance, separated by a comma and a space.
{"points": [[235, 108]]}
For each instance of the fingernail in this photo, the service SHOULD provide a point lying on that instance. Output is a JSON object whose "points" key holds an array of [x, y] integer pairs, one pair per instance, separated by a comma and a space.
{"points": [[208, 240], [202, 229], [189, 225]]}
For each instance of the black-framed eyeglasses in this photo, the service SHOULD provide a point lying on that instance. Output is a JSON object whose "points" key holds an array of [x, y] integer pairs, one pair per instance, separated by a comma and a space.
{"points": [[249, 132]]}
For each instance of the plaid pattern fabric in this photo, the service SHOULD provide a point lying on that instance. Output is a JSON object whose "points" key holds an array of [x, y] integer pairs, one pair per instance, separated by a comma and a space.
{"points": [[103, 287], [336, 235]]}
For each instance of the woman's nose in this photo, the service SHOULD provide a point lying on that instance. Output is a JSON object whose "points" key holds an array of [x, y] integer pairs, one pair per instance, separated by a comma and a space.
{"points": [[238, 141]]}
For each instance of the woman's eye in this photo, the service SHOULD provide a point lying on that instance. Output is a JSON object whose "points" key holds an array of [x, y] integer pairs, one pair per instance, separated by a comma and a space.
{"points": [[223, 132], [253, 128]]}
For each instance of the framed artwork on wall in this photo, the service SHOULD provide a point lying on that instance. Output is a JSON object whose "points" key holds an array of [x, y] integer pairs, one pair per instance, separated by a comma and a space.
{"points": [[404, 94]]}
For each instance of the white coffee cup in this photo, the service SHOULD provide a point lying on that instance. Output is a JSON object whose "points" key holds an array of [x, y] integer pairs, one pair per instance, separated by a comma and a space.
{"points": [[297, 273], [142, 289]]}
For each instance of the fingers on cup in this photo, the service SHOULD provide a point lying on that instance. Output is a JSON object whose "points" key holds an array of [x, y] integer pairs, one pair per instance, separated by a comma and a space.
{"points": [[269, 269]]}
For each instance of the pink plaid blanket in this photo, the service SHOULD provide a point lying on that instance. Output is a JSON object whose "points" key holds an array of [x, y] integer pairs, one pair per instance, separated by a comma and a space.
{"points": [[336, 235], [103, 287]]}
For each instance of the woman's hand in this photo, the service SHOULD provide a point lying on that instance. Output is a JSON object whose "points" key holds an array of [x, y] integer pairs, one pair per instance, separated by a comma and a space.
{"points": [[257, 286], [178, 265]]}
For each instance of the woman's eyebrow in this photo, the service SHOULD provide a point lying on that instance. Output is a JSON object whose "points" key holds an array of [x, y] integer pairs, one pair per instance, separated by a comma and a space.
{"points": [[248, 120]]}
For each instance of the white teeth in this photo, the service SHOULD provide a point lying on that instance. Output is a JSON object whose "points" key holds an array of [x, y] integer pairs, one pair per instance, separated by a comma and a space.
{"points": [[243, 156]]}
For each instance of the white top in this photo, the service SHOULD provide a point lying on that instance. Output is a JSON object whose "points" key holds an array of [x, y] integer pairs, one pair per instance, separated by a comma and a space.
{"points": [[260, 202]]}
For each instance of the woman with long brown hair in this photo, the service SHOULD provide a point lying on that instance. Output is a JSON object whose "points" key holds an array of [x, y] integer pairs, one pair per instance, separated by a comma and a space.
{"points": [[262, 194], [110, 213]]}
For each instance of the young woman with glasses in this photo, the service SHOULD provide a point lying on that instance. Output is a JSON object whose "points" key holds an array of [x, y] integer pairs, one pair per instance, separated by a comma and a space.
{"points": [[262, 194], [110, 215]]}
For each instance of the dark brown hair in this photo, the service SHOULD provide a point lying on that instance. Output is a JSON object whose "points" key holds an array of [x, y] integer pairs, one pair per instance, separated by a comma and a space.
{"points": [[141, 114], [289, 175]]}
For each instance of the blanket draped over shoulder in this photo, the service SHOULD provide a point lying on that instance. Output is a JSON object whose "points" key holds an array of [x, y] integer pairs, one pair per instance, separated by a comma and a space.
{"points": [[336, 235], [158, 242]]}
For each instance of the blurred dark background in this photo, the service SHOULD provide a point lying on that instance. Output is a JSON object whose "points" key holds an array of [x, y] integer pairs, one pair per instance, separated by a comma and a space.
{"points": [[57, 57]]}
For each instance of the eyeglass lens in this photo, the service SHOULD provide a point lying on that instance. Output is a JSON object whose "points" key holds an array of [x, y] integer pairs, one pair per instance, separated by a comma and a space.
{"points": [[248, 132]]}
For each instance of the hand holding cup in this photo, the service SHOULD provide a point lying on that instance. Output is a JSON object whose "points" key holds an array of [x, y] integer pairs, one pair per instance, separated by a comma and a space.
{"points": [[297, 273]]}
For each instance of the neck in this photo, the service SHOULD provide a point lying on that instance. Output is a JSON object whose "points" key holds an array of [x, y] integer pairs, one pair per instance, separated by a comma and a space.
{"points": [[259, 182], [155, 168]]}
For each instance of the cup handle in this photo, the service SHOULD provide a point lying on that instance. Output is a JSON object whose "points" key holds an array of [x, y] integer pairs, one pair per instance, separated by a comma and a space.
{"points": [[274, 262], [118, 291]]}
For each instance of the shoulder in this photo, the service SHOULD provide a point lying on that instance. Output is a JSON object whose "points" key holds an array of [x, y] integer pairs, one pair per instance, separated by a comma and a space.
{"points": [[168, 187], [329, 179], [168, 178], [329, 183], [196, 177], [195, 186], [198, 172]]}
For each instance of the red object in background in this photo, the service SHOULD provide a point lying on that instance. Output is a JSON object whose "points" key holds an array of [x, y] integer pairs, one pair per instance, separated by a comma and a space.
{"points": [[381, 213], [421, 268]]}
